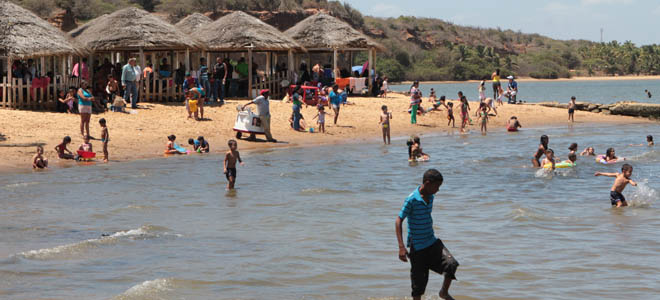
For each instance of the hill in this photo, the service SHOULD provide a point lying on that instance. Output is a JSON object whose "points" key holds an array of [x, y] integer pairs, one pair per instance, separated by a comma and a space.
{"points": [[418, 48]]}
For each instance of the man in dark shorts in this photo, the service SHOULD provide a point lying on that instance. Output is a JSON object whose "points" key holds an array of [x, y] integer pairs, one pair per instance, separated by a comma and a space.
{"points": [[426, 251]]}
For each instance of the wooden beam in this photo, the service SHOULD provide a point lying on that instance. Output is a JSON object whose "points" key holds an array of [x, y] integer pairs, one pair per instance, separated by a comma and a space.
{"points": [[187, 60], [250, 72], [334, 63], [9, 87], [292, 66]]}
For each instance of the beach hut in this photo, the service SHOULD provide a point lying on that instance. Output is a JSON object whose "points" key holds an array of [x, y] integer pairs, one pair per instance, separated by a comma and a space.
{"points": [[243, 33], [192, 23], [135, 32], [25, 36], [322, 33]]}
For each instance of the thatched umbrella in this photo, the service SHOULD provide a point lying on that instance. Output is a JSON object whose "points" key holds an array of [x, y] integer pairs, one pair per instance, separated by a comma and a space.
{"points": [[324, 33], [132, 29], [192, 23], [238, 32], [25, 35]]}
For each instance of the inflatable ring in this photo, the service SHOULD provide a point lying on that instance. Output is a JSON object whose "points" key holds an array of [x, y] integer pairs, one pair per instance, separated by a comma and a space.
{"points": [[561, 165]]}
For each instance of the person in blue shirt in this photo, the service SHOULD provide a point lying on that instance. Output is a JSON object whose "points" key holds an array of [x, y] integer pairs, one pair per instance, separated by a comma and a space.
{"points": [[426, 251], [512, 90], [199, 145], [335, 101]]}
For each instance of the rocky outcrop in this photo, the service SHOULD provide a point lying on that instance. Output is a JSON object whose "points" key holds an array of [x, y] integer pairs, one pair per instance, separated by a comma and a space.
{"points": [[63, 20], [627, 108]]}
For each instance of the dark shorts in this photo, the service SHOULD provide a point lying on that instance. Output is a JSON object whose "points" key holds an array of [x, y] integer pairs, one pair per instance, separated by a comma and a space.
{"points": [[436, 258], [231, 172], [616, 197], [571, 110]]}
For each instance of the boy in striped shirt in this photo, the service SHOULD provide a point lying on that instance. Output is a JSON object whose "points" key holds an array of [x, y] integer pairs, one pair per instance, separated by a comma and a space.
{"points": [[426, 251]]}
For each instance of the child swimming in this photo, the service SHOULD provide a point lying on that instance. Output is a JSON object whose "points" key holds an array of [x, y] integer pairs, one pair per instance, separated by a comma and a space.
{"points": [[415, 151], [230, 163], [572, 158], [572, 148], [622, 179], [589, 151], [62, 151], [385, 118], [549, 158], [543, 147], [649, 140], [610, 156], [38, 160]]}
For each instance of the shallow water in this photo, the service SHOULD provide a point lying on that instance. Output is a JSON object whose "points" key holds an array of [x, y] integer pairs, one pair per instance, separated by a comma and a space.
{"points": [[597, 91], [318, 223]]}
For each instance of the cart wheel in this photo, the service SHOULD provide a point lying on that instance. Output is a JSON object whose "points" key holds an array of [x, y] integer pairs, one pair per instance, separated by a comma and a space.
{"points": [[238, 134]]}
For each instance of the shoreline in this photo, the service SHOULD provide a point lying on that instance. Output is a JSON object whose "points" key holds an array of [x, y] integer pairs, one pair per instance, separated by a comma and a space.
{"points": [[143, 135], [529, 79]]}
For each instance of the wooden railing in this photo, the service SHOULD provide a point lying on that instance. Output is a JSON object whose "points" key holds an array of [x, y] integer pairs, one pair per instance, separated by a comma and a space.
{"points": [[19, 95], [159, 89], [272, 83]]}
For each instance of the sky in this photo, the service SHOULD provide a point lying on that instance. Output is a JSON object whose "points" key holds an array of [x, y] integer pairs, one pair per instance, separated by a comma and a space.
{"points": [[621, 20]]}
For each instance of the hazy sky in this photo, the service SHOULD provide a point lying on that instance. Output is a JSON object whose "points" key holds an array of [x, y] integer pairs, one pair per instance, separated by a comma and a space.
{"points": [[621, 20]]}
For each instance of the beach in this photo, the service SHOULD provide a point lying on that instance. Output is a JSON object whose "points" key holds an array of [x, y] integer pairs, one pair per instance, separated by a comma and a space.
{"points": [[144, 134]]}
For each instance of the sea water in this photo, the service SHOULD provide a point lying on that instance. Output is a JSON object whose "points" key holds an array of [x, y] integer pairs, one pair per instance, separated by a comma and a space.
{"points": [[596, 91], [318, 223]]}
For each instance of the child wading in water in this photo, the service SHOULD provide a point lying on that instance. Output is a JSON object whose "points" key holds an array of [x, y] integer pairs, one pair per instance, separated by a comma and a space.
{"points": [[513, 124], [483, 115], [385, 117], [465, 110], [62, 151], [105, 138], [38, 160], [450, 115], [622, 179], [426, 251], [230, 163], [549, 159]]}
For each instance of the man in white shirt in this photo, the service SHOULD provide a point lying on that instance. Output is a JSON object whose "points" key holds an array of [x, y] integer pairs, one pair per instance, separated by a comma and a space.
{"points": [[263, 108]]}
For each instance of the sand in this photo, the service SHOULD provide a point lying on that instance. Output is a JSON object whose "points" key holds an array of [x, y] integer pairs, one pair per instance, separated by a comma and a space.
{"points": [[143, 135]]}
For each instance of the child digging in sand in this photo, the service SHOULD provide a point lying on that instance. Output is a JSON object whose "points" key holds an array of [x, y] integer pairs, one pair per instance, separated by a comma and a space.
{"points": [[385, 118], [622, 179], [38, 160], [426, 251], [62, 151], [105, 138], [230, 163]]}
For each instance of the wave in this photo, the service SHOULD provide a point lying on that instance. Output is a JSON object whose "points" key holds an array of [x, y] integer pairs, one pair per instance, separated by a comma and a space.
{"points": [[643, 195], [323, 191], [20, 185], [71, 250], [150, 289], [651, 156]]}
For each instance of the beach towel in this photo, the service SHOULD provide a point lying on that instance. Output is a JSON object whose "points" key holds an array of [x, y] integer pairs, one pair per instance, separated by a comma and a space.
{"points": [[342, 82]]}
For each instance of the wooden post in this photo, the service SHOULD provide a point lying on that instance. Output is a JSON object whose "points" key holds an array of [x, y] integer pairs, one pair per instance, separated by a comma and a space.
{"points": [[274, 62], [250, 71], [187, 60], [334, 63], [8, 85], [292, 66], [143, 64], [371, 59], [268, 63]]}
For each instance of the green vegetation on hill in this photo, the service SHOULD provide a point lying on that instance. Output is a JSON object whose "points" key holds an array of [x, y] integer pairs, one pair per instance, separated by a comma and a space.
{"points": [[420, 48]]}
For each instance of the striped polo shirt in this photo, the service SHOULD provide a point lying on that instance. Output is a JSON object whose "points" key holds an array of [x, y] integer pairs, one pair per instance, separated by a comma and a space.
{"points": [[420, 223]]}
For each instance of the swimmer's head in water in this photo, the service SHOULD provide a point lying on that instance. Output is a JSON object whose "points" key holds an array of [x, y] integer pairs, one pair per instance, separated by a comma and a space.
{"points": [[416, 140], [626, 169], [609, 152], [549, 153], [572, 157], [649, 138], [545, 139], [573, 147]]}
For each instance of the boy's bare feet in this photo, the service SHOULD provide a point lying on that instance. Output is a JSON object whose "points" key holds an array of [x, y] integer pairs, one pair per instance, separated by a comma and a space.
{"points": [[445, 295]]}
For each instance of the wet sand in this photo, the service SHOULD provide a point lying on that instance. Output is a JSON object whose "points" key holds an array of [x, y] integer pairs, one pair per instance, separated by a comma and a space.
{"points": [[143, 135]]}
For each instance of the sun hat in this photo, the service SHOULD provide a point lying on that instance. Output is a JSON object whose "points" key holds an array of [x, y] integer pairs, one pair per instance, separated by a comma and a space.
{"points": [[509, 77]]}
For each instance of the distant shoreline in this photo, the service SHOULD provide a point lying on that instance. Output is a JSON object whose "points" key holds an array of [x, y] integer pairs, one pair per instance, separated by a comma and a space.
{"points": [[529, 79]]}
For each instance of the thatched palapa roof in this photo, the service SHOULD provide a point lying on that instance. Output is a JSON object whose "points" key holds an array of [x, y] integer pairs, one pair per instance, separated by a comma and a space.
{"points": [[238, 30], [131, 29], [193, 23], [322, 31], [23, 34]]}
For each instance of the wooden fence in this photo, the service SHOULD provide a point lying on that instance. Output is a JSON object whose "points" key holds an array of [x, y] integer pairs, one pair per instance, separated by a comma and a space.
{"points": [[272, 83], [24, 95]]}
